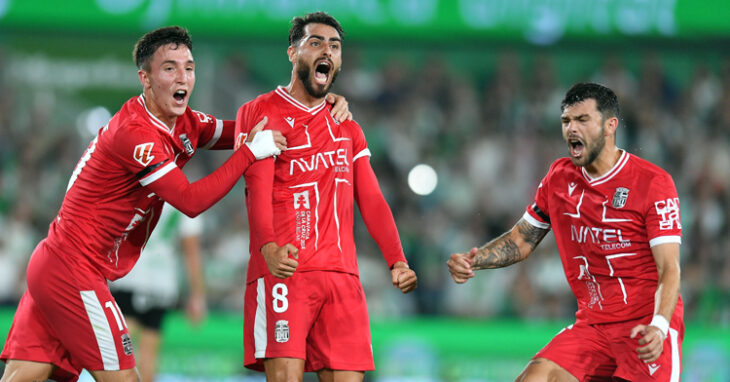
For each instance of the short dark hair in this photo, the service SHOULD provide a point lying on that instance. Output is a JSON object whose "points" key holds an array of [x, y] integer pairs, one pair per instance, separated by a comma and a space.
{"points": [[296, 32], [147, 45], [606, 100]]}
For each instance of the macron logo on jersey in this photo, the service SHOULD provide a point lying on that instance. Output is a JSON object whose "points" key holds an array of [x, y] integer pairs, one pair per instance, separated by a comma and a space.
{"points": [[143, 153], [290, 121]]}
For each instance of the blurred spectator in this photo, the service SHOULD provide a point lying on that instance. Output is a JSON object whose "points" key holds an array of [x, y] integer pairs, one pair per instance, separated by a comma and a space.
{"points": [[16, 245], [480, 128]]}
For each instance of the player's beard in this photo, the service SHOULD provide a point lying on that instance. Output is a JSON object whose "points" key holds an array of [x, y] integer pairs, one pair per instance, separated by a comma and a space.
{"points": [[315, 90], [592, 151]]}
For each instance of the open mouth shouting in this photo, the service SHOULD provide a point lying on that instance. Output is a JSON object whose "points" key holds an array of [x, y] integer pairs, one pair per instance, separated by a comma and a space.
{"points": [[180, 97], [322, 72], [577, 147]]}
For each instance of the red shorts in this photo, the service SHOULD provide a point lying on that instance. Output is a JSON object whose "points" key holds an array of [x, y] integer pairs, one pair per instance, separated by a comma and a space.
{"points": [[318, 316], [68, 318], [598, 352]]}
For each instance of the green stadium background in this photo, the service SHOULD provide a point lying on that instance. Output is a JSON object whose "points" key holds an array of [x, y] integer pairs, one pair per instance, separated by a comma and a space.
{"points": [[61, 61]]}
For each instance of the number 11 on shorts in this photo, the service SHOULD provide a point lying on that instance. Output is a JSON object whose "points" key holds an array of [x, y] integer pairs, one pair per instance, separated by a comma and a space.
{"points": [[117, 314]]}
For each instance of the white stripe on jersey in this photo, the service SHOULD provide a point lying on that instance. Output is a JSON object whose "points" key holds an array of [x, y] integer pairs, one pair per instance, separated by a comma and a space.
{"points": [[610, 267], [259, 324], [216, 135], [363, 153], [155, 121], [304, 146], [157, 174], [329, 127], [102, 330], [337, 220], [534, 221], [285, 95], [664, 240], [82, 161]]}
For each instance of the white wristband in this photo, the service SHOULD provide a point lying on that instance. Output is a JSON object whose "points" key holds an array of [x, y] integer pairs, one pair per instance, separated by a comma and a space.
{"points": [[263, 145], [661, 323]]}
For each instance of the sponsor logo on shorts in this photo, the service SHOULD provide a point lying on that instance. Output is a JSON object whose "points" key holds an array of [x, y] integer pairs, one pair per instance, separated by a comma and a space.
{"points": [[281, 331], [127, 344]]}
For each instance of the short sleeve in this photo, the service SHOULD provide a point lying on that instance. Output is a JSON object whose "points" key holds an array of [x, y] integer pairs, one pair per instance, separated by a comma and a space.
{"points": [[359, 144], [246, 119], [141, 151], [663, 221], [537, 212], [210, 129]]}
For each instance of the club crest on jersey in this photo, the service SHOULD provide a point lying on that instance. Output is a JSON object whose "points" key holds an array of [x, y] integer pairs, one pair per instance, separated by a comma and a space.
{"points": [[301, 200], [619, 198], [143, 153], [281, 331], [187, 144]]}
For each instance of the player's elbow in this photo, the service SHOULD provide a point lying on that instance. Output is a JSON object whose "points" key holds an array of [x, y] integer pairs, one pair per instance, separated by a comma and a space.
{"points": [[524, 247], [192, 213], [187, 209]]}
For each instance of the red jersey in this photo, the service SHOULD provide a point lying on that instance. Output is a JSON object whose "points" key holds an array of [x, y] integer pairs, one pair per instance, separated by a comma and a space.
{"points": [[108, 213], [604, 228], [315, 184]]}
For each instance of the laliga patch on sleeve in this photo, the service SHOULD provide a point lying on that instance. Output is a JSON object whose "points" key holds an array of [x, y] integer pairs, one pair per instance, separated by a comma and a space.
{"points": [[143, 153]]}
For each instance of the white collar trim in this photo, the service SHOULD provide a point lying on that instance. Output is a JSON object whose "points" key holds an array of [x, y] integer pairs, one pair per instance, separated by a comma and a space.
{"points": [[622, 160], [281, 91], [155, 121]]}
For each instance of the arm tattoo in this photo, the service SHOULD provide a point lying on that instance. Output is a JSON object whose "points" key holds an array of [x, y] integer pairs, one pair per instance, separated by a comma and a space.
{"points": [[498, 253], [531, 234], [503, 251]]}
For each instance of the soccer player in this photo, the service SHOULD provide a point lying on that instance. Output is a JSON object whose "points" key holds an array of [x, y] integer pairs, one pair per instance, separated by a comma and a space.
{"points": [[148, 292], [305, 309], [616, 221], [67, 320]]}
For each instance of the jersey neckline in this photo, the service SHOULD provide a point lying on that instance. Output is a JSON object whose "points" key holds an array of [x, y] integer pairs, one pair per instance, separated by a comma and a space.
{"points": [[283, 93], [155, 121], [622, 160]]}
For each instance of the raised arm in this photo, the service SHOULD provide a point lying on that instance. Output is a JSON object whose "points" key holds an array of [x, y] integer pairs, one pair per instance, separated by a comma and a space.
{"points": [[511, 247]]}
